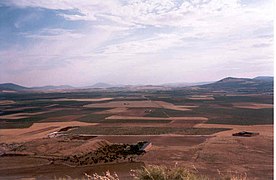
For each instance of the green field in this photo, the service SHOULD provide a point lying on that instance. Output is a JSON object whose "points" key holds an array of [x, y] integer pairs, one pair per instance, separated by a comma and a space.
{"points": [[97, 130], [135, 121], [161, 112], [219, 111]]}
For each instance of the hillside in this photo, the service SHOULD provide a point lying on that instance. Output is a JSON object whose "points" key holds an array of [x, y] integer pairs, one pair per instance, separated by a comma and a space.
{"points": [[17, 88], [260, 84], [12, 87], [45, 88]]}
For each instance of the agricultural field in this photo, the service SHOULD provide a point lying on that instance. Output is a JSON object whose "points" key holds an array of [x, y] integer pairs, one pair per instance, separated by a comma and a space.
{"points": [[191, 128], [136, 90]]}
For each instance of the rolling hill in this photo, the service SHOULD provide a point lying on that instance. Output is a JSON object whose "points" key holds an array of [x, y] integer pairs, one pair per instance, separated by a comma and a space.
{"points": [[261, 84], [12, 87], [45, 88], [17, 88]]}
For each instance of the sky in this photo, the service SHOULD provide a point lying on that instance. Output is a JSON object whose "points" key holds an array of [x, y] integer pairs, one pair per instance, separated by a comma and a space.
{"points": [[82, 42]]}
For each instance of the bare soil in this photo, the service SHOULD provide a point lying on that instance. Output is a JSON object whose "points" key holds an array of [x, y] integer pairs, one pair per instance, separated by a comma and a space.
{"points": [[84, 99], [208, 154], [44, 170], [25, 134], [7, 102], [252, 105], [265, 130], [201, 97], [222, 153]]}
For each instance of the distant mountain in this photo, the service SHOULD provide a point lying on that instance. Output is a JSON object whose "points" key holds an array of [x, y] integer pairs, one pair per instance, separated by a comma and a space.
{"points": [[12, 87], [45, 88], [185, 84], [17, 88], [260, 84], [231, 84], [264, 78], [103, 85]]}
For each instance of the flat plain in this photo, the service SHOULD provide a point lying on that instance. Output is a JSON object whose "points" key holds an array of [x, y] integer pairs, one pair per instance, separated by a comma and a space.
{"points": [[192, 128]]}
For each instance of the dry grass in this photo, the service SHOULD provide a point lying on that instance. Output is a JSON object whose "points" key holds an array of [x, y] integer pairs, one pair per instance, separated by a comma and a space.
{"points": [[106, 176], [165, 173], [155, 172], [233, 175]]}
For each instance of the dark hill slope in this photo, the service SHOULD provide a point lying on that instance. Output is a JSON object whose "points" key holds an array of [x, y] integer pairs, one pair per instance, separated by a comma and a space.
{"points": [[45, 88], [243, 85], [12, 87]]}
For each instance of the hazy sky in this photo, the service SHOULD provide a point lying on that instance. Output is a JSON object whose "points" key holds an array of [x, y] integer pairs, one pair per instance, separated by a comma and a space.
{"points": [[81, 42]]}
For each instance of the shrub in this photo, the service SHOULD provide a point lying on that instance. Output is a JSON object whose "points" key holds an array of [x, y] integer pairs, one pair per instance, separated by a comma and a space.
{"points": [[165, 173]]}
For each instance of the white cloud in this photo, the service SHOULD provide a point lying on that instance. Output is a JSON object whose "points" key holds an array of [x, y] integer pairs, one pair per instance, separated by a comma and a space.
{"points": [[149, 36], [151, 45]]}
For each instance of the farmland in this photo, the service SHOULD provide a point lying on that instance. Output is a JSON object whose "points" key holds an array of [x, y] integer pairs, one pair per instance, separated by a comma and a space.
{"points": [[191, 128]]}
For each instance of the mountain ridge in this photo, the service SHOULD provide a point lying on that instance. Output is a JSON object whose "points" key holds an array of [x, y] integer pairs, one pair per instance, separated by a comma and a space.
{"points": [[228, 83], [258, 84]]}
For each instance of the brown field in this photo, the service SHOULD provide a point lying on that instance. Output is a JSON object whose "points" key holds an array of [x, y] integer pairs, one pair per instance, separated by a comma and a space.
{"points": [[253, 155], [265, 130], [14, 116], [84, 100], [42, 169], [25, 134], [219, 152], [171, 106], [62, 147], [252, 105], [6, 102], [208, 154], [201, 97]]}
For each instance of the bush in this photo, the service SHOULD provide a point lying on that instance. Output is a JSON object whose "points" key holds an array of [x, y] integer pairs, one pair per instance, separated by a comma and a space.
{"points": [[165, 173]]}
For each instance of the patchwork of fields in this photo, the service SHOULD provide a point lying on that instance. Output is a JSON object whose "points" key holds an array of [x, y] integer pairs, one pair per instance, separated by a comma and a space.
{"points": [[183, 128]]}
